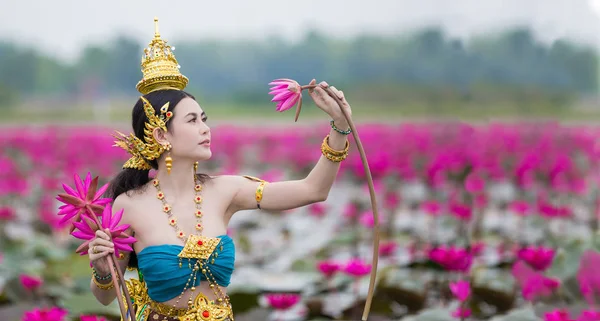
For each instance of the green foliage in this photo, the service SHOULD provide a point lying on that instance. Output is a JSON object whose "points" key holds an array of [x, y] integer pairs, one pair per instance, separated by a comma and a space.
{"points": [[237, 70]]}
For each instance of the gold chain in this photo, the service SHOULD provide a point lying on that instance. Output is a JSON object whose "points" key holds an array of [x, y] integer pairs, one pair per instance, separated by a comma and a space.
{"points": [[169, 210], [200, 265]]}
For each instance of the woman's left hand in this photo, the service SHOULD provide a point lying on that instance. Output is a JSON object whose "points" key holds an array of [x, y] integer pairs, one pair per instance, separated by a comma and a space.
{"points": [[329, 105]]}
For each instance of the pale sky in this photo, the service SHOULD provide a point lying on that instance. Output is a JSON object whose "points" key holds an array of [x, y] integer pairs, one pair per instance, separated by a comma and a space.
{"points": [[63, 27]]}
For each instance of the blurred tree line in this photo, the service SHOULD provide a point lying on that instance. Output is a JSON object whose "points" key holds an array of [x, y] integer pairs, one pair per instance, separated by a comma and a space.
{"points": [[421, 63]]}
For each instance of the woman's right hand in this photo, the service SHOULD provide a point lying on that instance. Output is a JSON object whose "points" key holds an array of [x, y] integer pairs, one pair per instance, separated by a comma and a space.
{"points": [[99, 248]]}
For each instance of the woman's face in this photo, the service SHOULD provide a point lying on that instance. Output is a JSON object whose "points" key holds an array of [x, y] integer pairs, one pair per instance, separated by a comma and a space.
{"points": [[188, 134]]}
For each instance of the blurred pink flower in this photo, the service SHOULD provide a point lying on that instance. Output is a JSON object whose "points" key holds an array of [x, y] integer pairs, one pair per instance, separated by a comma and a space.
{"points": [[477, 248], [329, 268], [533, 284], [367, 220], [30, 282], [387, 248], [540, 258], [474, 183], [557, 315], [461, 313], [452, 258], [432, 207], [521, 208], [461, 290], [7, 213], [317, 209], [85, 195], [350, 210], [589, 315], [87, 231], [52, 314], [392, 200], [357, 268], [286, 93], [282, 301], [588, 277], [461, 211]]}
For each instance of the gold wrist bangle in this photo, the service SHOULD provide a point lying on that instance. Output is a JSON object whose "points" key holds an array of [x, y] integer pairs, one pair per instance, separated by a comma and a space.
{"points": [[259, 193], [331, 154], [325, 146], [104, 287]]}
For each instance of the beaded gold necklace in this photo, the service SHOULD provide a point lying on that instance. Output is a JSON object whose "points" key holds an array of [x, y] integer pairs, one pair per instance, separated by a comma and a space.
{"points": [[168, 209], [201, 249]]}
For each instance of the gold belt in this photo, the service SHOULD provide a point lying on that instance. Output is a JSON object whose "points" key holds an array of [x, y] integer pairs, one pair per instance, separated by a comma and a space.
{"points": [[202, 308]]}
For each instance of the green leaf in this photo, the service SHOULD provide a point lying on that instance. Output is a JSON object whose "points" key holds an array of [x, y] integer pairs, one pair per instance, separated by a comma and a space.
{"points": [[525, 314], [86, 303]]}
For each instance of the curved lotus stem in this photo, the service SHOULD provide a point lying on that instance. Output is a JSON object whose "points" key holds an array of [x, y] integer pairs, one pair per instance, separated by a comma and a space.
{"points": [[116, 274], [374, 206]]}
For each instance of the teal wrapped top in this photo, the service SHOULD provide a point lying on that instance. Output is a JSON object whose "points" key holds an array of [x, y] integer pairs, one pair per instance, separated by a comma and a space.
{"points": [[159, 265]]}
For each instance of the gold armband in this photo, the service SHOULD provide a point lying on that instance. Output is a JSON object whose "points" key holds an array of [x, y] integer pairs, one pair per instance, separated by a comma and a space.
{"points": [[333, 155], [259, 190], [104, 287]]}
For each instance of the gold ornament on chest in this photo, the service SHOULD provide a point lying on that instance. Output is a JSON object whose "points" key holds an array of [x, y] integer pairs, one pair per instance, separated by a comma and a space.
{"points": [[199, 247]]}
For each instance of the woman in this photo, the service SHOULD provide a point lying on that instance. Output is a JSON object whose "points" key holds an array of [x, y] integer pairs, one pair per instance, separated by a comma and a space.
{"points": [[179, 219]]}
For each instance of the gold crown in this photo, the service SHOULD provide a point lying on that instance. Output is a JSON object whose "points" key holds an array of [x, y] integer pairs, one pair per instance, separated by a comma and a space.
{"points": [[160, 69]]}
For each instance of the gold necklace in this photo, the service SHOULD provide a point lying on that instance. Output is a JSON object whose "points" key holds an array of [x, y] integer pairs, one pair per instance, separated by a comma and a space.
{"points": [[200, 265], [168, 209]]}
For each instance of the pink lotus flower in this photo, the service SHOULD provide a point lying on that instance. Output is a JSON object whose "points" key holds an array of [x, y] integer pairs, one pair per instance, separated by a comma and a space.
{"points": [[452, 258], [461, 313], [317, 209], [557, 315], [392, 200], [87, 231], [474, 183], [78, 201], [367, 220], [432, 207], [587, 276], [533, 284], [461, 290], [540, 258], [282, 301], [92, 318], [350, 210], [589, 315], [53, 314], [30, 282], [329, 268], [461, 211], [7, 214], [520, 208], [286, 93], [387, 248], [357, 268]]}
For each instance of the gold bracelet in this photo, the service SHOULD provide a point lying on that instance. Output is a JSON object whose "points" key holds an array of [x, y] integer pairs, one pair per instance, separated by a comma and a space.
{"points": [[325, 146], [331, 154], [104, 287], [259, 193]]}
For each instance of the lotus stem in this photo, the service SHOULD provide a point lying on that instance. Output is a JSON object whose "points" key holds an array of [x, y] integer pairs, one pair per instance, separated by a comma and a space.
{"points": [[365, 163], [116, 274]]}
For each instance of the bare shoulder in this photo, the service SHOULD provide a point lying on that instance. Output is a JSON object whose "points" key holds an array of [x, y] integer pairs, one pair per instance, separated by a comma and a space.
{"points": [[129, 203], [224, 183]]}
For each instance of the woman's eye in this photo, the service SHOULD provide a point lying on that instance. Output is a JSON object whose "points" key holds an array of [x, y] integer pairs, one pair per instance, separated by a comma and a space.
{"points": [[193, 120]]}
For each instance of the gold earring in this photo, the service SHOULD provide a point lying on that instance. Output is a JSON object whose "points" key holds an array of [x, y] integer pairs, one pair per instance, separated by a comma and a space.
{"points": [[168, 159], [195, 167]]}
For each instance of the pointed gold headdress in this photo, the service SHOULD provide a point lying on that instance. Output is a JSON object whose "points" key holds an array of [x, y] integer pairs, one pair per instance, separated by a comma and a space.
{"points": [[160, 71]]}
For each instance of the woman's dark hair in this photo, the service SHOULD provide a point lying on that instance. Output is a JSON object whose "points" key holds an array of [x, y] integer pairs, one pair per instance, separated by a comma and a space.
{"points": [[130, 180]]}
